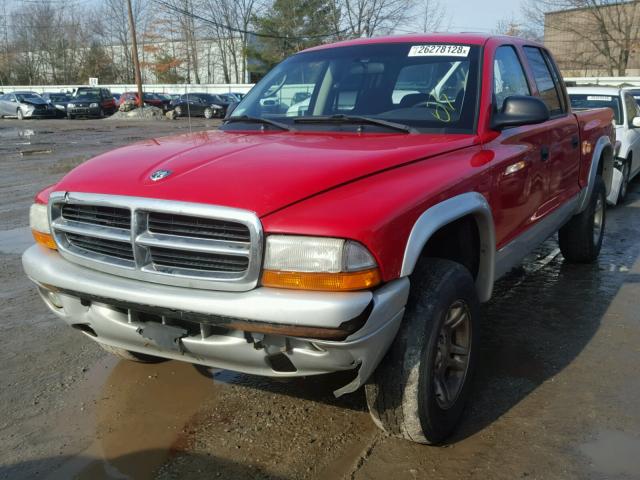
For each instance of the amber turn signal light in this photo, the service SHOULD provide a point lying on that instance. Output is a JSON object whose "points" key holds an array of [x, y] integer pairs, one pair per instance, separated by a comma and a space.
{"points": [[328, 282], [44, 239]]}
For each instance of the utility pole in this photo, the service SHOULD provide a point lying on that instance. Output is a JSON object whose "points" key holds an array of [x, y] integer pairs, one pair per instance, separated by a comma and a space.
{"points": [[134, 51]]}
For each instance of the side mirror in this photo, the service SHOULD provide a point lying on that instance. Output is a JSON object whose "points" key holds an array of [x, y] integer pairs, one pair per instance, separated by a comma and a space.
{"points": [[520, 110], [635, 122], [232, 107]]}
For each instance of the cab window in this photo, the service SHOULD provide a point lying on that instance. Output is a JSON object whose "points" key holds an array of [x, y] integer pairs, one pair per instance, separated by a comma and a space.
{"points": [[547, 88], [508, 76]]}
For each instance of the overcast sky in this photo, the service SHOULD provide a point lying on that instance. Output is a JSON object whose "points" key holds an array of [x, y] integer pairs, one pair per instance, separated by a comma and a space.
{"points": [[480, 15]]}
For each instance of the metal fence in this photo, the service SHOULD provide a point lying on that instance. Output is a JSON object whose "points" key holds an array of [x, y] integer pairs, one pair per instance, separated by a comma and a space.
{"points": [[155, 88]]}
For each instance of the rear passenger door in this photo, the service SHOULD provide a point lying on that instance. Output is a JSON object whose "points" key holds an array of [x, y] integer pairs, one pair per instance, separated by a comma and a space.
{"points": [[560, 147]]}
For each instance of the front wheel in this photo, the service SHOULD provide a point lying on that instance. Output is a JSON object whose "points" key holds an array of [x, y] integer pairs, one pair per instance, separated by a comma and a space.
{"points": [[178, 111], [581, 238], [624, 183], [420, 389], [208, 113], [19, 114]]}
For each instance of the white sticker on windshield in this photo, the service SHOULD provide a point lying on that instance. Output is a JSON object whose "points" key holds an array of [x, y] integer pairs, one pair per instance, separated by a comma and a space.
{"points": [[439, 51], [599, 98]]}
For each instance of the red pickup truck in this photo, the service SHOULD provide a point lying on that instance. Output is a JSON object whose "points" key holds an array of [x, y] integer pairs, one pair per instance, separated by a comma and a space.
{"points": [[351, 213]]}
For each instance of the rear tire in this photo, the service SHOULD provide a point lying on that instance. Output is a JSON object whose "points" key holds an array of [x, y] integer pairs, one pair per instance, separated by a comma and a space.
{"points": [[624, 185], [581, 238], [132, 356], [420, 389]]}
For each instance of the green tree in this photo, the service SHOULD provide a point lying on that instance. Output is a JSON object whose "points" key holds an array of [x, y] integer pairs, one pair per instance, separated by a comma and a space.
{"points": [[96, 63], [287, 27]]}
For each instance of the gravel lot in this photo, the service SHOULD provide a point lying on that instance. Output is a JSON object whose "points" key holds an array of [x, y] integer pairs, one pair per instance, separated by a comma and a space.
{"points": [[556, 395]]}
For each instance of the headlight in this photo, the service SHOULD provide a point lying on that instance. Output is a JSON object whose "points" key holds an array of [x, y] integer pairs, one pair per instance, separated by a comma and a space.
{"points": [[70, 105], [58, 106], [318, 263], [39, 223], [93, 105]]}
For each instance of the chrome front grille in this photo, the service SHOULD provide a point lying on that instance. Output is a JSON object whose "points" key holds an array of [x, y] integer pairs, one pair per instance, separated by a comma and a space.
{"points": [[175, 243]]}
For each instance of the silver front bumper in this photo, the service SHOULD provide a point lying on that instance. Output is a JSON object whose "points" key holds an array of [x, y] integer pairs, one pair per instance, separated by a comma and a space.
{"points": [[230, 349]]}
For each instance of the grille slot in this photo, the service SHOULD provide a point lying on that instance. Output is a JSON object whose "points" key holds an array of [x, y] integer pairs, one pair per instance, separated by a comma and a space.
{"points": [[165, 257], [198, 227], [110, 248], [98, 215]]}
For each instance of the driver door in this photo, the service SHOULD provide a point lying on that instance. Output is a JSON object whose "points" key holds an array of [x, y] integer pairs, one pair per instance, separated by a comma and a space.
{"points": [[518, 168]]}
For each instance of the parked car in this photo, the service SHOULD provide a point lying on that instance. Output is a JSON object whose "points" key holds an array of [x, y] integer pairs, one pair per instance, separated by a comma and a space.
{"points": [[59, 102], [149, 99], [359, 237], [627, 119], [23, 105], [199, 105], [106, 100], [85, 104], [116, 97]]}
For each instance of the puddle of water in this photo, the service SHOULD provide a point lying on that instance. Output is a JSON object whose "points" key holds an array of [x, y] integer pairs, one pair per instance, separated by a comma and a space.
{"points": [[614, 454], [15, 241], [139, 416]]}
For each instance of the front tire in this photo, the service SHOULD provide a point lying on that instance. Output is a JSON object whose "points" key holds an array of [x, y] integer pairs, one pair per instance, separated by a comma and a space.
{"points": [[19, 114], [581, 238], [624, 185], [208, 113], [420, 389], [178, 111]]}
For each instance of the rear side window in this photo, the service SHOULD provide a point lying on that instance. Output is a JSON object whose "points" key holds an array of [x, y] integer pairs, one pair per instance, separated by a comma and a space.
{"points": [[508, 75], [549, 93]]}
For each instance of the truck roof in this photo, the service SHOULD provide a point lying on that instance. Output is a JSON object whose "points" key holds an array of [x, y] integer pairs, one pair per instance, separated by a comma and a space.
{"points": [[470, 38]]}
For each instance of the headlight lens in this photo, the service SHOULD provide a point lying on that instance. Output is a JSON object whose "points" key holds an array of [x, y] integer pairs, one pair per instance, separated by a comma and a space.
{"points": [[39, 222], [93, 105], [318, 263], [70, 105]]}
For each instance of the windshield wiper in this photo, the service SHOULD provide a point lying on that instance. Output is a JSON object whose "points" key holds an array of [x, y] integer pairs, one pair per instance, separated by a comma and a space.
{"points": [[264, 121], [356, 119]]}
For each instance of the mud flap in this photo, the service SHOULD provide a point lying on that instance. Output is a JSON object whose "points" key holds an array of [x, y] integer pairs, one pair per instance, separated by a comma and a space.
{"points": [[166, 337]]}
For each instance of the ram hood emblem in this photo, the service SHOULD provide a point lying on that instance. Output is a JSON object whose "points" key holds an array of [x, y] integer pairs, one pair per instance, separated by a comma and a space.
{"points": [[159, 175]]}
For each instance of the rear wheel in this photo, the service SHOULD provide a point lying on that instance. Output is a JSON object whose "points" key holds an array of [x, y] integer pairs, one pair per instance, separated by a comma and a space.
{"points": [[420, 389], [132, 356], [581, 238]]}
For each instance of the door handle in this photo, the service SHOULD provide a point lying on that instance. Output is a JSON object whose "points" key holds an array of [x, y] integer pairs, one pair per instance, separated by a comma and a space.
{"points": [[544, 153], [575, 141]]}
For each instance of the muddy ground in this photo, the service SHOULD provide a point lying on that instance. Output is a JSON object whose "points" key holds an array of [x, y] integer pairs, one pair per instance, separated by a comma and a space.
{"points": [[557, 394]]}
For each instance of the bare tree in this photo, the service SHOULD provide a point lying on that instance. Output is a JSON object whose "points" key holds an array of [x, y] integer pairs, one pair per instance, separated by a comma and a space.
{"points": [[432, 14], [366, 18], [514, 27], [610, 29]]}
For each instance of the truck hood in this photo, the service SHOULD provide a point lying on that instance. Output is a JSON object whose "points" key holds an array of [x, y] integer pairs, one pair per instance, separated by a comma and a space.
{"points": [[260, 172]]}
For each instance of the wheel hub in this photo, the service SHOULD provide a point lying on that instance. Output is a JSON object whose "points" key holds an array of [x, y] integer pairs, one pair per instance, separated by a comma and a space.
{"points": [[452, 354]]}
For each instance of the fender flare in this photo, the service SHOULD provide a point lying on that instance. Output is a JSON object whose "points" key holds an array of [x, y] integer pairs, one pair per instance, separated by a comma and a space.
{"points": [[444, 213], [603, 152]]}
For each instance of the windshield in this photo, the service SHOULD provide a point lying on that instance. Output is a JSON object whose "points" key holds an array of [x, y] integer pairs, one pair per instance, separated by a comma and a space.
{"points": [[87, 97], [582, 102], [58, 97], [27, 96], [429, 87]]}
